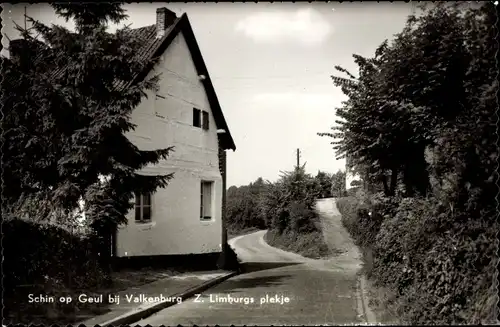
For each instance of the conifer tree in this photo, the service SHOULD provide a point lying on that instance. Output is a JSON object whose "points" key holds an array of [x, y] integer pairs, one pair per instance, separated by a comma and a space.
{"points": [[68, 98]]}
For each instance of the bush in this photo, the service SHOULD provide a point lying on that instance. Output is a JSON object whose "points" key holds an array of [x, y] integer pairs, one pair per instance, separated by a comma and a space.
{"points": [[45, 259], [434, 248], [33, 251], [436, 260], [289, 206], [302, 219], [309, 245], [243, 207], [362, 216], [439, 262]]}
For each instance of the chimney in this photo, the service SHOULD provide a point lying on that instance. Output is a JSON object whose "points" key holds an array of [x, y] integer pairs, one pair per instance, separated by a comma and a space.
{"points": [[164, 18]]}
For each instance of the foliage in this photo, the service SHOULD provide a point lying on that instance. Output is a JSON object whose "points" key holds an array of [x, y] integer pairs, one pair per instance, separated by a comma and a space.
{"points": [[286, 207], [67, 106], [243, 206], [287, 204], [47, 250], [307, 245], [46, 259], [324, 184], [338, 188], [442, 268], [423, 112], [362, 215], [432, 90], [292, 200], [355, 183]]}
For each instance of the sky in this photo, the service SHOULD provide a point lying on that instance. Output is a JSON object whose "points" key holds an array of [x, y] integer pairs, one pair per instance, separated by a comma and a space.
{"points": [[270, 64]]}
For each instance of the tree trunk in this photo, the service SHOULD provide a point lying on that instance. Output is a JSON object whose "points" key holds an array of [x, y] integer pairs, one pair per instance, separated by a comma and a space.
{"points": [[386, 187], [407, 180], [394, 181]]}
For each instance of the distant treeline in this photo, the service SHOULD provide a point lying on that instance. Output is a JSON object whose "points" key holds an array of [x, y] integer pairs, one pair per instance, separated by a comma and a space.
{"points": [[285, 208], [264, 204]]}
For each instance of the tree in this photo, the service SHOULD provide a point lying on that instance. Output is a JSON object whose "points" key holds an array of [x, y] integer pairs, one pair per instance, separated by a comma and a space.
{"points": [[338, 184], [424, 111], [324, 184], [244, 208], [289, 203], [67, 106], [411, 91]]}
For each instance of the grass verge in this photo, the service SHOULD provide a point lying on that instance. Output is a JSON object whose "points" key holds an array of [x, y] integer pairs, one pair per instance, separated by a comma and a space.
{"points": [[381, 300], [310, 245]]}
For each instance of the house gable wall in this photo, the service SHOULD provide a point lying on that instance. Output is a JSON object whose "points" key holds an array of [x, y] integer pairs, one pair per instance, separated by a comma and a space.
{"points": [[165, 119]]}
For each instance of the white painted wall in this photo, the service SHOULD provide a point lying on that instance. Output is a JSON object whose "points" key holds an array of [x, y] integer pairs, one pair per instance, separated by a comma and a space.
{"points": [[176, 227], [349, 178]]}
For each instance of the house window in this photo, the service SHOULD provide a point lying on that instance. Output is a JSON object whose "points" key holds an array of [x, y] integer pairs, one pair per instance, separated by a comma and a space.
{"points": [[142, 207], [206, 200], [205, 120], [200, 118], [196, 117]]}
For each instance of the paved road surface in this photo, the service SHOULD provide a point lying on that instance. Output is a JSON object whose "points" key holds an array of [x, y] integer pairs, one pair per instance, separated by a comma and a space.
{"points": [[319, 292]]}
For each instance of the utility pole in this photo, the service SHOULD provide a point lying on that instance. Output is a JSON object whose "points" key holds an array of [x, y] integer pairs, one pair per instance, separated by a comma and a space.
{"points": [[298, 158], [25, 18]]}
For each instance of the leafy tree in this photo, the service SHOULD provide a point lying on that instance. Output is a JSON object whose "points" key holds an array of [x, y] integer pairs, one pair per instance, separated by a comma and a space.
{"points": [[338, 184], [324, 184], [244, 206], [67, 106], [424, 111], [426, 72]]}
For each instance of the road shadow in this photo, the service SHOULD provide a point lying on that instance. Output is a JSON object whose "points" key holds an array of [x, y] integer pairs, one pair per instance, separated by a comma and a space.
{"points": [[249, 267], [245, 282]]}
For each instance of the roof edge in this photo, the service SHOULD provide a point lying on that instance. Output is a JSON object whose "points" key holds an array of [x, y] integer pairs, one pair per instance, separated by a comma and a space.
{"points": [[183, 25]]}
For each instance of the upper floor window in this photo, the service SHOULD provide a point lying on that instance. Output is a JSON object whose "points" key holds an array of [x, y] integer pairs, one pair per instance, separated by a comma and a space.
{"points": [[205, 120], [200, 118]]}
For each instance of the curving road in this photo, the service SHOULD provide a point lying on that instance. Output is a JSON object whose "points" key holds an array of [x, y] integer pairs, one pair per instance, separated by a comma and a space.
{"points": [[280, 288]]}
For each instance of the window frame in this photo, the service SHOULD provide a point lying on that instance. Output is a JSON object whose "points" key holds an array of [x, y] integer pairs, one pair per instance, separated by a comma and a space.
{"points": [[141, 207], [202, 212], [205, 120], [197, 118], [201, 119]]}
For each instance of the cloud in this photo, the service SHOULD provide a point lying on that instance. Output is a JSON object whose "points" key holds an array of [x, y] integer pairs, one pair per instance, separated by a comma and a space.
{"points": [[304, 25]]}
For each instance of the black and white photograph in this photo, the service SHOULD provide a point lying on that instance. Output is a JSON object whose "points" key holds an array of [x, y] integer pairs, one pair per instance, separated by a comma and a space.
{"points": [[250, 163]]}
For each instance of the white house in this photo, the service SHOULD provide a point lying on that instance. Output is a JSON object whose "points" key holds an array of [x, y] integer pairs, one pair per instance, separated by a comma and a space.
{"points": [[186, 217], [350, 175]]}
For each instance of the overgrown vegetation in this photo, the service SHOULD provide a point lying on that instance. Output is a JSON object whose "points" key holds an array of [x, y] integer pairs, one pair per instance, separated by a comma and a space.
{"points": [[55, 262], [421, 122], [243, 207], [285, 208], [47, 260], [67, 99]]}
